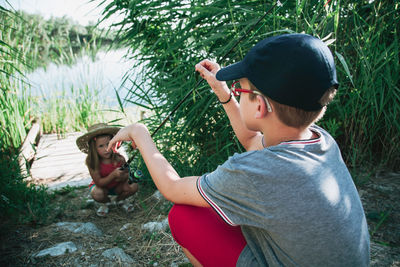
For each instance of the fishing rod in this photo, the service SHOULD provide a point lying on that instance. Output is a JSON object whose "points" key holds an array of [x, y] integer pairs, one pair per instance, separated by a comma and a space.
{"points": [[136, 174]]}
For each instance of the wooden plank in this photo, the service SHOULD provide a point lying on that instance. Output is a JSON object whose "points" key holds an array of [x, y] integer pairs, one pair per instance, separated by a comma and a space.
{"points": [[60, 154], [59, 162], [55, 173], [46, 142], [27, 152], [49, 172]]}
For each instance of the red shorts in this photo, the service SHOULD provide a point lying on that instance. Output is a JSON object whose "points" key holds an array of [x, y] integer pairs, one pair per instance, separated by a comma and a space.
{"points": [[207, 237]]}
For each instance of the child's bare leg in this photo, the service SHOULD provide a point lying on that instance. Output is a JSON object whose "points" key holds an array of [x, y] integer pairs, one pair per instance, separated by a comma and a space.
{"points": [[100, 194], [125, 190]]}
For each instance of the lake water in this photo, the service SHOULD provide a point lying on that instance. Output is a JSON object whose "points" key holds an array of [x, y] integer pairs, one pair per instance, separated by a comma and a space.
{"points": [[104, 75]]}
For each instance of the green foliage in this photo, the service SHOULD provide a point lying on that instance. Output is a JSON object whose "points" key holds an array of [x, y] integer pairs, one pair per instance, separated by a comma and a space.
{"points": [[71, 111], [20, 202], [14, 115], [170, 37], [41, 41], [27, 42], [18, 43], [369, 105], [13, 106]]}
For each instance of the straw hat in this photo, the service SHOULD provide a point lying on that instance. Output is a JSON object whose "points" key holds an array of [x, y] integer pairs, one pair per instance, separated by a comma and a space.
{"points": [[97, 129]]}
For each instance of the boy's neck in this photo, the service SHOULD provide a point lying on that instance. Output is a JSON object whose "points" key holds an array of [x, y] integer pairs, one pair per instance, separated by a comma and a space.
{"points": [[275, 134]]}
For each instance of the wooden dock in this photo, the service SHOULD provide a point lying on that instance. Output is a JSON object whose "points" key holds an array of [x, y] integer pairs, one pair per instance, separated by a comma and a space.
{"points": [[58, 162]]}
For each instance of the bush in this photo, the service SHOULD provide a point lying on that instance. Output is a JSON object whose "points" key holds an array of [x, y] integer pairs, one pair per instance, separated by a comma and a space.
{"points": [[170, 37], [19, 201]]}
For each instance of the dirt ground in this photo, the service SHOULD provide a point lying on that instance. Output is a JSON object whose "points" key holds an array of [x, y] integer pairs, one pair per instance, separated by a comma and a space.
{"points": [[75, 205], [380, 196]]}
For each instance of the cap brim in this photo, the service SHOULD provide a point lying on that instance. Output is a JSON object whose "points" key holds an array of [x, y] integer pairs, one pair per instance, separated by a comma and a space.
{"points": [[231, 72]]}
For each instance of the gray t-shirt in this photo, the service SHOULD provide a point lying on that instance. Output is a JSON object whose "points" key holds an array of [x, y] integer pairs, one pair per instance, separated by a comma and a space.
{"points": [[296, 204]]}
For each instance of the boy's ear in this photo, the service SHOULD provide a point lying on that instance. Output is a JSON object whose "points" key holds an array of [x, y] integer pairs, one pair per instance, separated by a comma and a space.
{"points": [[262, 108]]}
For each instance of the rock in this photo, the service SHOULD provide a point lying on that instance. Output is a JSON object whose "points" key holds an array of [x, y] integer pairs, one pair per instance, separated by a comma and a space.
{"points": [[57, 250], [156, 226], [78, 227], [84, 212], [178, 263], [157, 195], [116, 255], [382, 188], [89, 203], [126, 226]]}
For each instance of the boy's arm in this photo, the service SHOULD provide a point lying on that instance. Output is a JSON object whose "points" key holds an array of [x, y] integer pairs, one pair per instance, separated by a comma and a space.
{"points": [[171, 185], [249, 139]]}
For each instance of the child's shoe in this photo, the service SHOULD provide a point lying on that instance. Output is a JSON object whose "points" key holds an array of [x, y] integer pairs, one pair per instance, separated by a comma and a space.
{"points": [[113, 200], [126, 205], [103, 210]]}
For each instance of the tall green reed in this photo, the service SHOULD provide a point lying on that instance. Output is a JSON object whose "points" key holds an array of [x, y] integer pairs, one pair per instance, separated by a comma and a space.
{"points": [[56, 40], [19, 201], [15, 112], [70, 110], [171, 37], [370, 105], [27, 42], [16, 115]]}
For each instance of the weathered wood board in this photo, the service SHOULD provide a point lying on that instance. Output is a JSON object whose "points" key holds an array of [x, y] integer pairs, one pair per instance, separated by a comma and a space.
{"points": [[58, 162]]}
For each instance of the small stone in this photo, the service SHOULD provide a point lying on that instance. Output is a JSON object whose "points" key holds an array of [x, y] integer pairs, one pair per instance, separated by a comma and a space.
{"points": [[157, 195], [57, 250], [84, 212], [126, 226], [117, 254], [89, 203], [361, 193], [84, 228], [178, 263], [156, 226]]}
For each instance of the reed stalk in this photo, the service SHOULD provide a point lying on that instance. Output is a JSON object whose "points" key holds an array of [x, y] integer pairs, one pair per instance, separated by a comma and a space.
{"points": [[171, 37]]}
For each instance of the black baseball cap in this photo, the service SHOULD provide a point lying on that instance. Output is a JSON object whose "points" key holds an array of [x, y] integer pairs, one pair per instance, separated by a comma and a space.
{"points": [[292, 69]]}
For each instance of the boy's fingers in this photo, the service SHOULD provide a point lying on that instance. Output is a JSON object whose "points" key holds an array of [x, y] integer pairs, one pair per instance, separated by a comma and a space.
{"points": [[204, 72], [133, 145], [111, 144]]}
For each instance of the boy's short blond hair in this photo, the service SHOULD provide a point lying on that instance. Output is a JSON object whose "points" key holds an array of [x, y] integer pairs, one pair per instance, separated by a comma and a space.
{"points": [[295, 117]]}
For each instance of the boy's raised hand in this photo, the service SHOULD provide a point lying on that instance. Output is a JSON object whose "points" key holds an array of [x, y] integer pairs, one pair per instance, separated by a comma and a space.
{"points": [[207, 70], [129, 133]]}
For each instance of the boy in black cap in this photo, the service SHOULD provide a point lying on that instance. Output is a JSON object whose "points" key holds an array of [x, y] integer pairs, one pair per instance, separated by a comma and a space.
{"points": [[290, 193]]}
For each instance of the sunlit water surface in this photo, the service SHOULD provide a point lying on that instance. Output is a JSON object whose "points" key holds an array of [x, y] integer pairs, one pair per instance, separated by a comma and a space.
{"points": [[104, 75]]}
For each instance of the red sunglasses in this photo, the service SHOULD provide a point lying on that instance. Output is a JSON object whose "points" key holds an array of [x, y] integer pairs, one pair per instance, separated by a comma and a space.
{"points": [[237, 91]]}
